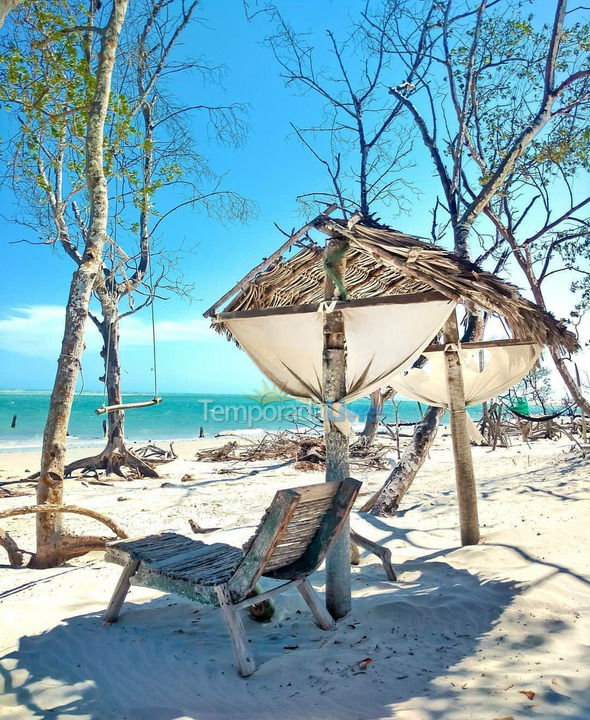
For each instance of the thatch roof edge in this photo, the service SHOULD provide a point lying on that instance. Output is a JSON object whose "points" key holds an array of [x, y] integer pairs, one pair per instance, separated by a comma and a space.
{"points": [[456, 278]]}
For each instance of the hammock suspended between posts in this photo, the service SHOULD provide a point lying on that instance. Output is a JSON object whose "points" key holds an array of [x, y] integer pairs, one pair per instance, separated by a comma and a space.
{"points": [[537, 418], [486, 374], [382, 338]]}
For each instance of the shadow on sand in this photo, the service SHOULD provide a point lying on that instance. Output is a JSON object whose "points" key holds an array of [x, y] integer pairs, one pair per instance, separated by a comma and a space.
{"points": [[169, 659]]}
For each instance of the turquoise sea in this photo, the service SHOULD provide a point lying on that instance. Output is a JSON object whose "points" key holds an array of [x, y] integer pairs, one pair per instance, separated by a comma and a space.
{"points": [[179, 416]]}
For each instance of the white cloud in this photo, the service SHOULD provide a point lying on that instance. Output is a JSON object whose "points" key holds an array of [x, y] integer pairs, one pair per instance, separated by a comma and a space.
{"points": [[33, 330], [137, 331], [36, 331]]}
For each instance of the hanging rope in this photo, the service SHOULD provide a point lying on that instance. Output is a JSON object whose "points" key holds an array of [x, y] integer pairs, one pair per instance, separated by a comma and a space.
{"points": [[155, 400], [154, 333]]}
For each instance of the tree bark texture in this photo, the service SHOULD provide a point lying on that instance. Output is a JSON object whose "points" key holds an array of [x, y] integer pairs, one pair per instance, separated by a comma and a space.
{"points": [[50, 485], [387, 500], [464, 473], [378, 399], [338, 584]]}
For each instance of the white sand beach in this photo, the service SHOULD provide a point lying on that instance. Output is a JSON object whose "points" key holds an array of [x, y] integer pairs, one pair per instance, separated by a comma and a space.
{"points": [[500, 630]]}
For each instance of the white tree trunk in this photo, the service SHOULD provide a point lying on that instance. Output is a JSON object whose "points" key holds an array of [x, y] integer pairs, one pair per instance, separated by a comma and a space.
{"points": [[5, 7], [50, 485]]}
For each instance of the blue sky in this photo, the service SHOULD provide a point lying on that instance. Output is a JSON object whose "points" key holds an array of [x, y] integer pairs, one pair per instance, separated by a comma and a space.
{"points": [[272, 169]]}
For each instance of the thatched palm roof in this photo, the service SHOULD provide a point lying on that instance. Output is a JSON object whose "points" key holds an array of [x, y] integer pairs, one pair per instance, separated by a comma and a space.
{"points": [[382, 261]]}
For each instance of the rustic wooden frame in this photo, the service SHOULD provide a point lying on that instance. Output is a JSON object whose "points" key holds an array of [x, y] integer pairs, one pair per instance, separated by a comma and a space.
{"points": [[237, 592]]}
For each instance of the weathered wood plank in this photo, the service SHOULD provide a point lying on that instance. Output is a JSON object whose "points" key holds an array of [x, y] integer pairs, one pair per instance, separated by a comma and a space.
{"points": [[481, 344], [328, 530], [234, 623], [320, 491], [264, 543], [405, 299]]}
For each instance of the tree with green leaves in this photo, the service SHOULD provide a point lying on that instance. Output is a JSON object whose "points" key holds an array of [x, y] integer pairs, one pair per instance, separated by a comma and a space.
{"points": [[543, 222], [479, 85], [153, 167], [58, 29]]}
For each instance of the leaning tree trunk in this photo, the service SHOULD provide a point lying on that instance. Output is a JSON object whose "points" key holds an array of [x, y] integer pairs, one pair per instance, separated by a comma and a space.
{"points": [[568, 379], [116, 455], [387, 500], [570, 382], [53, 546]]}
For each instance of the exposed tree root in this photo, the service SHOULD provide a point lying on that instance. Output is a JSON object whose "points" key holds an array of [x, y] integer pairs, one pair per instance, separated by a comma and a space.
{"points": [[15, 556], [112, 460], [65, 546]]}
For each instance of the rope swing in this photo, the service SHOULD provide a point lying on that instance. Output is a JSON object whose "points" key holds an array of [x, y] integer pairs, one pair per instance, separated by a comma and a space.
{"points": [[155, 400]]}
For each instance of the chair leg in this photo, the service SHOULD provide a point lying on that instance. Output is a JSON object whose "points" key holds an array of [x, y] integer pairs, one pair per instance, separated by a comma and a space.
{"points": [[322, 616], [120, 593], [383, 553], [237, 632]]}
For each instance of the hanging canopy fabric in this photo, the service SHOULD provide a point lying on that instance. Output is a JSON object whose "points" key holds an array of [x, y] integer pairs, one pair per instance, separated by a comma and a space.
{"points": [[486, 374], [381, 340], [501, 369]]}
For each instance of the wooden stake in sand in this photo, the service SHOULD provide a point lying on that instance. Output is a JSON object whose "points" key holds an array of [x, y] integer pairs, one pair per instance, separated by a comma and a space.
{"points": [[464, 474], [338, 591]]}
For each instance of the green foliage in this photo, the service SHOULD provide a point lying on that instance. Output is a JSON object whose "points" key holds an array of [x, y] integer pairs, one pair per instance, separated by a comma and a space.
{"points": [[535, 387]]}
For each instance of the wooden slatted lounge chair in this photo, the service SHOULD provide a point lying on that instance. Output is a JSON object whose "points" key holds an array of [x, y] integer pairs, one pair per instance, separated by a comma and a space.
{"points": [[290, 543]]}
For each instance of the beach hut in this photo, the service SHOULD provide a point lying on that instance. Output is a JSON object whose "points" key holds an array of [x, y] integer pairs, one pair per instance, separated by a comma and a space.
{"points": [[330, 322]]}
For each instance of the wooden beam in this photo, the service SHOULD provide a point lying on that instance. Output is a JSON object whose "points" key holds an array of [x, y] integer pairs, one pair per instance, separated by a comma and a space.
{"points": [[269, 260], [340, 305], [464, 474], [482, 344], [338, 580]]}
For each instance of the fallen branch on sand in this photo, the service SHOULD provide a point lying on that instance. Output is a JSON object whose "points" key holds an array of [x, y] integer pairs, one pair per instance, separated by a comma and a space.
{"points": [[154, 454], [198, 530], [308, 451]]}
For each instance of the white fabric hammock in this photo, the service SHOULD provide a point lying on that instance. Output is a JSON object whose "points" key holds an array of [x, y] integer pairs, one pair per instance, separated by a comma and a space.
{"points": [[381, 340], [501, 369]]}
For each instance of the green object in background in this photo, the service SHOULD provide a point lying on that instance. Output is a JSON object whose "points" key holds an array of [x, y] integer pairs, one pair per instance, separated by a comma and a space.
{"points": [[521, 406]]}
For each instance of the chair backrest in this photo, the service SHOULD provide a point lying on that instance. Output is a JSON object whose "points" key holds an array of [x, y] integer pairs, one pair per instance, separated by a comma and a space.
{"points": [[296, 532]]}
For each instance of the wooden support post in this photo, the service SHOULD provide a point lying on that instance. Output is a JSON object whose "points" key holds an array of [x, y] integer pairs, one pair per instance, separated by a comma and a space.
{"points": [[338, 585], [464, 475]]}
